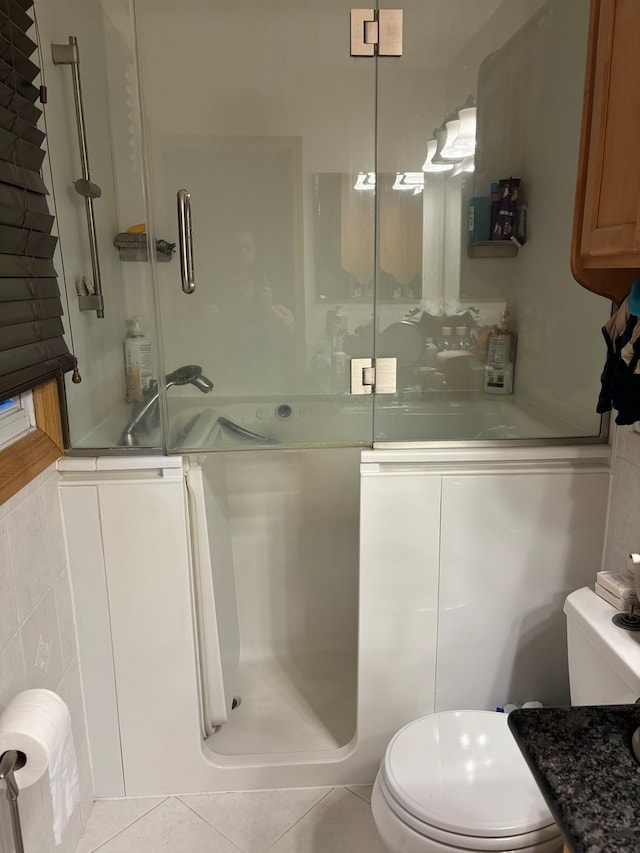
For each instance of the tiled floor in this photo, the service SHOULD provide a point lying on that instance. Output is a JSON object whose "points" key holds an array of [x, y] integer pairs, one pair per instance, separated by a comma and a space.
{"points": [[305, 820]]}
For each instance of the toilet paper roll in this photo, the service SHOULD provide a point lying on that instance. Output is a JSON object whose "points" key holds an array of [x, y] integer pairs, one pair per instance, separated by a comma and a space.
{"points": [[38, 724]]}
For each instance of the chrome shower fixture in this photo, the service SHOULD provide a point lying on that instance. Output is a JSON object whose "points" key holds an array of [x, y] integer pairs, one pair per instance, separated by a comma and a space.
{"points": [[189, 374]]}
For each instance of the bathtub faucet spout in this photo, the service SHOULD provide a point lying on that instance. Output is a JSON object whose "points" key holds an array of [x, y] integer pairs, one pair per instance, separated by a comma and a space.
{"points": [[146, 412]]}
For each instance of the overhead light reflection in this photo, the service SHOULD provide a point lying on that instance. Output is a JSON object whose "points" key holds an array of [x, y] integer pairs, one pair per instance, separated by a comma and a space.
{"points": [[468, 164], [409, 181], [453, 145], [365, 181], [429, 165], [464, 145], [451, 134]]}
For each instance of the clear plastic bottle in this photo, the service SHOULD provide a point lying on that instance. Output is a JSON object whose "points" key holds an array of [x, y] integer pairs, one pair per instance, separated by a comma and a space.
{"points": [[498, 371], [137, 361], [461, 340]]}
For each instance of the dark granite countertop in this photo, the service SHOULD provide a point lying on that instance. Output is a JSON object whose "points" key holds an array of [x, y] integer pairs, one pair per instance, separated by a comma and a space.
{"points": [[582, 760]]}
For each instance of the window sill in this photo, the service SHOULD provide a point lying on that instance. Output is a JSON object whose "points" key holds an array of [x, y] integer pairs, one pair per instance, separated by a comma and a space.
{"points": [[21, 462]]}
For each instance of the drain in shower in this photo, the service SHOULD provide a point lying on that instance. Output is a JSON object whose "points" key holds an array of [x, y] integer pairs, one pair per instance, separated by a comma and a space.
{"points": [[284, 412]]}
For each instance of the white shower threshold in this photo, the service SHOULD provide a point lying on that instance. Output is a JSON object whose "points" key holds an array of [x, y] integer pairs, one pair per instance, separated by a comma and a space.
{"points": [[295, 703]]}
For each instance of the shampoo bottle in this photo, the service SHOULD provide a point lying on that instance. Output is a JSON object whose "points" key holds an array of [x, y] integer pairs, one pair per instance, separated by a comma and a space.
{"points": [[501, 351], [137, 361]]}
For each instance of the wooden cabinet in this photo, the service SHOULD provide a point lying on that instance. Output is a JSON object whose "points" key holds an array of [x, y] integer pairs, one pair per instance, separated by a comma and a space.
{"points": [[606, 233]]}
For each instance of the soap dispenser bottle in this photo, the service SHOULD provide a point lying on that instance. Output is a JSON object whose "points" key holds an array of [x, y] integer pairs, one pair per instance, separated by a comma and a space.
{"points": [[501, 351]]}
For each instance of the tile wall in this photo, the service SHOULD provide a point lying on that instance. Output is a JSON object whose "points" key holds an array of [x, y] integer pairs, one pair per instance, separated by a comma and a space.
{"points": [[36, 611], [623, 530]]}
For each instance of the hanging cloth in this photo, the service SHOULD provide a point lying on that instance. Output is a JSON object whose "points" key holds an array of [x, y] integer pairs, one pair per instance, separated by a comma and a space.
{"points": [[620, 380]]}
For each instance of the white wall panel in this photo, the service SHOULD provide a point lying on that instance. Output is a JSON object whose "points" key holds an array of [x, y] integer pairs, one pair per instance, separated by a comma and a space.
{"points": [[513, 546], [399, 552], [88, 576], [148, 567]]}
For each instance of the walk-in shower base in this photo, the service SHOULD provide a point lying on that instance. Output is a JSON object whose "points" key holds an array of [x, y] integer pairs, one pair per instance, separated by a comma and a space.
{"points": [[290, 704]]}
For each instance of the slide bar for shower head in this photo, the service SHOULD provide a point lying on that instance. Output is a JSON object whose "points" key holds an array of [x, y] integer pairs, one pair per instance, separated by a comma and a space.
{"points": [[68, 54]]}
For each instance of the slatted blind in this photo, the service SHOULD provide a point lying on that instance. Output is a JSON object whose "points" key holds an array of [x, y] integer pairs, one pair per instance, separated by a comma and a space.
{"points": [[32, 348]]}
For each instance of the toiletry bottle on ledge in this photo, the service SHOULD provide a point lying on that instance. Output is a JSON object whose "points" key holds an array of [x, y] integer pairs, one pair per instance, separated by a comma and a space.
{"points": [[137, 361], [339, 336], [501, 351]]}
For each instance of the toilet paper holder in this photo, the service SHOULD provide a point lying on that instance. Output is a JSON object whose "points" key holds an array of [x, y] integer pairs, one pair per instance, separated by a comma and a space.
{"points": [[10, 761]]}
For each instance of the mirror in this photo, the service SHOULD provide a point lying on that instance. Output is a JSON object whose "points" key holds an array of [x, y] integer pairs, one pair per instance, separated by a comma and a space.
{"points": [[489, 89], [343, 216]]}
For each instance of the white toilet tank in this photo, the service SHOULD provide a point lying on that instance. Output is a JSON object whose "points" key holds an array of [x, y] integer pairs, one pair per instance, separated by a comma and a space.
{"points": [[604, 660]]}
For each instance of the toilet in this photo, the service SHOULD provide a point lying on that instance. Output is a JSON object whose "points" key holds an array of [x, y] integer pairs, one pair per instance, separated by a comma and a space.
{"points": [[456, 782]]}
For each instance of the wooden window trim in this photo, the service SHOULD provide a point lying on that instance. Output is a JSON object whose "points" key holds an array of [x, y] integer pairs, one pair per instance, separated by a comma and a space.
{"points": [[22, 461]]}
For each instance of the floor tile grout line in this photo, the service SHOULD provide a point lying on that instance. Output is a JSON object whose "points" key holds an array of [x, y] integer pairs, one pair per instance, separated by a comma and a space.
{"points": [[219, 831], [120, 831], [208, 823], [360, 796], [296, 822]]}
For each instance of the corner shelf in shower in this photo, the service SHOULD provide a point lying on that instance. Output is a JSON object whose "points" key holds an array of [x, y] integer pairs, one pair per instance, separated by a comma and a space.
{"points": [[492, 249]]}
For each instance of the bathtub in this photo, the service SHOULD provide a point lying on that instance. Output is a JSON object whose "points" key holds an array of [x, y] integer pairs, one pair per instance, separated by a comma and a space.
{"points": [[195, 422], [336, 594], [293, 422]]}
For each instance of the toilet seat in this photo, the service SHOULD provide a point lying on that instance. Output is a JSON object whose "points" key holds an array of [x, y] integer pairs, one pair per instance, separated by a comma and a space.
{"points": [[398, 837], [457, 778], [464, 842]]}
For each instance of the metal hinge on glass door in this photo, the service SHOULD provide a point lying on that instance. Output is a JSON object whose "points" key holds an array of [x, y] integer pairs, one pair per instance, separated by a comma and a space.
{"points": [[373, 375], [376, 31]]}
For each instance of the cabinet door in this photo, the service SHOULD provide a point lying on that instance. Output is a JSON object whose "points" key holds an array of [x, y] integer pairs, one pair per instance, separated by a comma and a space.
{"points": [[611, 223]]}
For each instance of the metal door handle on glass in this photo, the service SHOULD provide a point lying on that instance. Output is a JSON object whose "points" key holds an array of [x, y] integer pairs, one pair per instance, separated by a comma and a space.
{"points": [[185, 241]]}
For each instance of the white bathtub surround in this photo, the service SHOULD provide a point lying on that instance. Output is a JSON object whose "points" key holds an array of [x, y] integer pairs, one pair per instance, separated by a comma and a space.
{"points": [[517, 528], [465, 558], [295, 585], [38, 645], [307, 820]]}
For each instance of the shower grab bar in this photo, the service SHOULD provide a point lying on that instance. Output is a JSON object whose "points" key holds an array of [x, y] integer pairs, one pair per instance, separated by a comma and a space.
{"points": [[198, 611], [185, 241], [232, 426], [68, 54]]}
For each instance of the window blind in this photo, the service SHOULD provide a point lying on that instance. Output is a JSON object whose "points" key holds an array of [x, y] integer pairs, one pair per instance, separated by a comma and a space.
{"points": [[32, 347]]}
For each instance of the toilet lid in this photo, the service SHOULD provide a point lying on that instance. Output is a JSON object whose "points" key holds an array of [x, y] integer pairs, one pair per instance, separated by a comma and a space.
{"points": [[462, 771]]}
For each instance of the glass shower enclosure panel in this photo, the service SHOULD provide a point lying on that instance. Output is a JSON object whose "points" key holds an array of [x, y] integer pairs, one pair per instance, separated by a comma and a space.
{"points": [[259, 132], [480, 118]]}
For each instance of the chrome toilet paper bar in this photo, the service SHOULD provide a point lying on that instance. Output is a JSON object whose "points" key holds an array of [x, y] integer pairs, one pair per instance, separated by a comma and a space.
{"points": [[12, 760], [36, 724]]}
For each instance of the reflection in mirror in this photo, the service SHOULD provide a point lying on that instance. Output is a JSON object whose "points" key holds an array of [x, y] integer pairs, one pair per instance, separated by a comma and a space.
{"points": [[344, 249], [515, 70]]}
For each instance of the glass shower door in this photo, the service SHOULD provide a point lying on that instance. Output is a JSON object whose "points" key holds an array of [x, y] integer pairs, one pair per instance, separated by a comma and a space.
{"points": [[470, 117], [259, 131]]}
